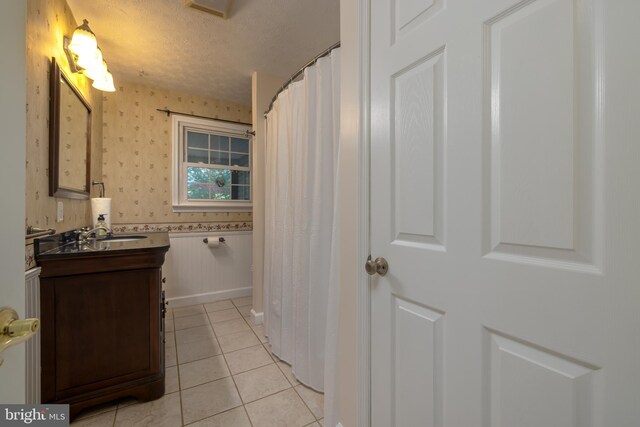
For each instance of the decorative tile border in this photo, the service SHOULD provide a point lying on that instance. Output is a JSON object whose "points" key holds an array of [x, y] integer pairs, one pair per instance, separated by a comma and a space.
{"points": [[183, 227]]}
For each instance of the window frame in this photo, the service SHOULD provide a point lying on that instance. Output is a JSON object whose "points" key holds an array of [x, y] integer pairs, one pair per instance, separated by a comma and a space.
{"points": [[180, 203]]}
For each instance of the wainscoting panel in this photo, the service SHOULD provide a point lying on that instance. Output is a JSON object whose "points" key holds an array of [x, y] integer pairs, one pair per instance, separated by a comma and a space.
{"points": [[32, 309], [196, 273]]}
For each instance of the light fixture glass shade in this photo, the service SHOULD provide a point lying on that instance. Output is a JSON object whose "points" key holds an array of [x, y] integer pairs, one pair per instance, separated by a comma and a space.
{"points": [[95, 72], [104, 83], [90, 61], [84, 40]]}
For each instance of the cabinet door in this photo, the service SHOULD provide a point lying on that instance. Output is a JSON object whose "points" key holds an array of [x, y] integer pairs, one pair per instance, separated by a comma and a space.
{"points": [[106, 329]]}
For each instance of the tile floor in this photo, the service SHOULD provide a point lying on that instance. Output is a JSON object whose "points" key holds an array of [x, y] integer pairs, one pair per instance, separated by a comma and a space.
{"points": [[219, 372]]}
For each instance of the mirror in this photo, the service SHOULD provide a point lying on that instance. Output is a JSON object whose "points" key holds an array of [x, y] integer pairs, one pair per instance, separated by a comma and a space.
{"points": [[69, 138]]}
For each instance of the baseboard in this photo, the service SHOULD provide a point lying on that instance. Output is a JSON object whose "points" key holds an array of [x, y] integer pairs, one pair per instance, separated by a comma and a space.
{"points": [[258, 318], [208, 297]]}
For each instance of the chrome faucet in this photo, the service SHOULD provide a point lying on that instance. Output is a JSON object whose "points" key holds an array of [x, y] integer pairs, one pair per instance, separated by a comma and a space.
{"points": [[84, 233]]}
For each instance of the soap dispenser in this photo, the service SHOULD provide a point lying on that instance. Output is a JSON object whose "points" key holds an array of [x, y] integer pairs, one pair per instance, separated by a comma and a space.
{"points": [[101, 233]]}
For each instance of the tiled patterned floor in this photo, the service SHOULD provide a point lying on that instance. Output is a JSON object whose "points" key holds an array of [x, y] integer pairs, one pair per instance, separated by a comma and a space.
{"points": [[219, 372]]}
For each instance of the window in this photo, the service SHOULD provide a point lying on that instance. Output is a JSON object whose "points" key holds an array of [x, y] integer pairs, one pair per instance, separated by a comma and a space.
{"points": [[212, 165]]}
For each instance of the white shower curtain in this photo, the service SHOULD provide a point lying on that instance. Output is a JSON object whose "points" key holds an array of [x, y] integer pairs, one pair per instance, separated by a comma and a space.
{"points": [[302, 148]]}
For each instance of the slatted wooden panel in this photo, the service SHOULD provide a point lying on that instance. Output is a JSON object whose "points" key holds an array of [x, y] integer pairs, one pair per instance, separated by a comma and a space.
{"points": [[196, 273]]}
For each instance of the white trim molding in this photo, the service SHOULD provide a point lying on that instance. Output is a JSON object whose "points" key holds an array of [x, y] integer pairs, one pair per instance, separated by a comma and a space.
{"points": [[180, 203], [208, 297], [364, 211]]}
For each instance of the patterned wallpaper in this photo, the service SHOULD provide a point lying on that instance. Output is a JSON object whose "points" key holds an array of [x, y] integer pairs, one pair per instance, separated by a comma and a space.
{"points": [[48, 21], [131, 141], [136, 158]]}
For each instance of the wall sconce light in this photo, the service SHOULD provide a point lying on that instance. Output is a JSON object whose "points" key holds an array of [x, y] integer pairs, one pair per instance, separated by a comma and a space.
{"points": [[85, 57]]}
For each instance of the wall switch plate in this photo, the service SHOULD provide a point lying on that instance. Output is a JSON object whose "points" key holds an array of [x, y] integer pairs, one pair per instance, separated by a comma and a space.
{"points": [[60, 212]]}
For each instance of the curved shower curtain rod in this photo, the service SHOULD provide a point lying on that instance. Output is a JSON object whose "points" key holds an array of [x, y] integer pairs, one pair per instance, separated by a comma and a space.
{"points": [[297, 73]]}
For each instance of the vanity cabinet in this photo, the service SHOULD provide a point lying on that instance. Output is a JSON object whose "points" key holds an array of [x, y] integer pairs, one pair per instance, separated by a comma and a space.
{"points": [[102, 318]]}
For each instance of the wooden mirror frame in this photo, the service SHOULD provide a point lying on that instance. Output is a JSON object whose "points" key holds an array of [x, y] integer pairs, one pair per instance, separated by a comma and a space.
{"points": [[54, 136]]}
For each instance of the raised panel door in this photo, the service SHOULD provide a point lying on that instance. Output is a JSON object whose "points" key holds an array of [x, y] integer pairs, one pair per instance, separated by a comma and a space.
{"points": [[504, 197]]}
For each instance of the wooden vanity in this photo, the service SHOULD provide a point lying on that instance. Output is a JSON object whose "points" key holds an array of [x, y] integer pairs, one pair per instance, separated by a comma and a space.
{"points": [[102, 317]]}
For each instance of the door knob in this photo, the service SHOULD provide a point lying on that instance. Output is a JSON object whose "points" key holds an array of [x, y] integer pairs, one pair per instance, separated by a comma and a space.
{"points": [[379, 266], [14, 331]]}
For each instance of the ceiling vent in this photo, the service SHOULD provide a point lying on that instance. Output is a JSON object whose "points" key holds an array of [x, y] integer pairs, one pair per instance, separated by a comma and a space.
{"points": [[219, 8]]}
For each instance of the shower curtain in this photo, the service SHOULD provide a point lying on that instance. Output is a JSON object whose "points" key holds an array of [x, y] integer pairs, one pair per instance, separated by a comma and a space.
{"points": [[302, 149]]}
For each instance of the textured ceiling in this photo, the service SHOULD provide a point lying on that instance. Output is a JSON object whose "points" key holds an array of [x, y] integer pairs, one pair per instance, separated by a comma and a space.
{"points": [[163, 43]]}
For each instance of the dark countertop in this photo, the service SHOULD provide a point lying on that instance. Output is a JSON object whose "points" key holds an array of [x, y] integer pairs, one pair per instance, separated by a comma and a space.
{"points": [[58, 246]]}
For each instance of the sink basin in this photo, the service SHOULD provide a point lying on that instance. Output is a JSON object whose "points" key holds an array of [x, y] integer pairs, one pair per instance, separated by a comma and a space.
{"points": [[123, 238]]}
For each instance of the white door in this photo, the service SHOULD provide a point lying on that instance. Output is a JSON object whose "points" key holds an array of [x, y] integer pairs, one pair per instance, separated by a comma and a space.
{"points": [[505, 142], [12, 176]]}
